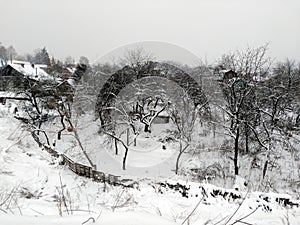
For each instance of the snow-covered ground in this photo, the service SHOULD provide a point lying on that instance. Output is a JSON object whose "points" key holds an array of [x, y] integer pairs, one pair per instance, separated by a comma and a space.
{"points": [[108, 218], [35, 189]]}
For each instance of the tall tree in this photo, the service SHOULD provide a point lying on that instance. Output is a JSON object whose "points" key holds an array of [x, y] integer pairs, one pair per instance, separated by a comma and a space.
{"points": [[240, 94], [11, 52], [84, 60], [69, 61], [42, 57], [3, 52]]}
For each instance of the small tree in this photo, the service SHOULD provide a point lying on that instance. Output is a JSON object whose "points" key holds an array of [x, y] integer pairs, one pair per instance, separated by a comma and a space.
{"points": [[184, 115], [122, 124]]}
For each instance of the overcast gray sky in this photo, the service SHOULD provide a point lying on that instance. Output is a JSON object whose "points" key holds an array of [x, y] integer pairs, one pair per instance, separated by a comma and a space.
{"points": [[208, 28]]}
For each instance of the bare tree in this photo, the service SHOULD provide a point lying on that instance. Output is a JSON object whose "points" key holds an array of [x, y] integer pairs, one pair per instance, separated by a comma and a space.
{"points": [[148, 109], [240, 93], [136, 58], [184, 115], [69, 61], [278, 109], [122, 124]]}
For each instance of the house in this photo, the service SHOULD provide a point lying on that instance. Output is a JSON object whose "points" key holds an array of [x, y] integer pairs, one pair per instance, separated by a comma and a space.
{"points": [[229, 74], [10, 78], [29, 70], [62, 73], [19, 74]]}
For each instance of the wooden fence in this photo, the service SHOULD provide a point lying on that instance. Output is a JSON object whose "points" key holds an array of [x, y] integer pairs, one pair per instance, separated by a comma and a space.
{"points": [[84, 170]]}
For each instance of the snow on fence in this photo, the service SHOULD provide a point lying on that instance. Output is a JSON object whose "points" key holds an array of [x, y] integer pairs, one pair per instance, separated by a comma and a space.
{"points": [[84, 170]]}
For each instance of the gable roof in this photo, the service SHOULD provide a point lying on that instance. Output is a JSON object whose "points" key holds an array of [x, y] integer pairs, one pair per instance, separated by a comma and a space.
{"points": [[32, 71]]}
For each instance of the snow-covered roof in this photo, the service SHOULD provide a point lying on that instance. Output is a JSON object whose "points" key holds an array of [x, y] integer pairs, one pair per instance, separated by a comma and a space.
{"points": [[8, 94], [18, 62], [226, 71], [71, 69], [42, 66], [71, 82], [33, 71]]}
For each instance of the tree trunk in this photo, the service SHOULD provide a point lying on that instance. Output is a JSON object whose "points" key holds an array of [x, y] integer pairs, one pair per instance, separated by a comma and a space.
{"points": [[63, 125], [236, 152], [39, 126], [137, 108], [177, 162], [59, 135], [247, 139], [147, 128], [127, 137], [116, 147], [265, 169], [125, 157], [181, 151]]}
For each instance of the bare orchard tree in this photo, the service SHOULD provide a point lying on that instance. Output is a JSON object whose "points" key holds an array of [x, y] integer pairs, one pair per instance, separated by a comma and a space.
{"points": [[240, 92], [184, 115], [149, 99], [63, 102], [35, 103], [147, 109], [63, 107], [122, 124], [136, 106], [133, 112]]}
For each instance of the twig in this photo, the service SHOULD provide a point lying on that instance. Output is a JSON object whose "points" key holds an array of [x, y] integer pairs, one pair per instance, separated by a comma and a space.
{"points": [[16, 202], [91, 218], [243, 222], [118, 199], [220, 220], [244, 217], [3, 210], [63, 194], [7, 198], [99, 215], [236, 209], [192, 211], [37, 212], [80, 210], [62, 197]]}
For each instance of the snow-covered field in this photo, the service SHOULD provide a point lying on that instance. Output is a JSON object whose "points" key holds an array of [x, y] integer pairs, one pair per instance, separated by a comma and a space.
{"points": [[35, 189]]}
